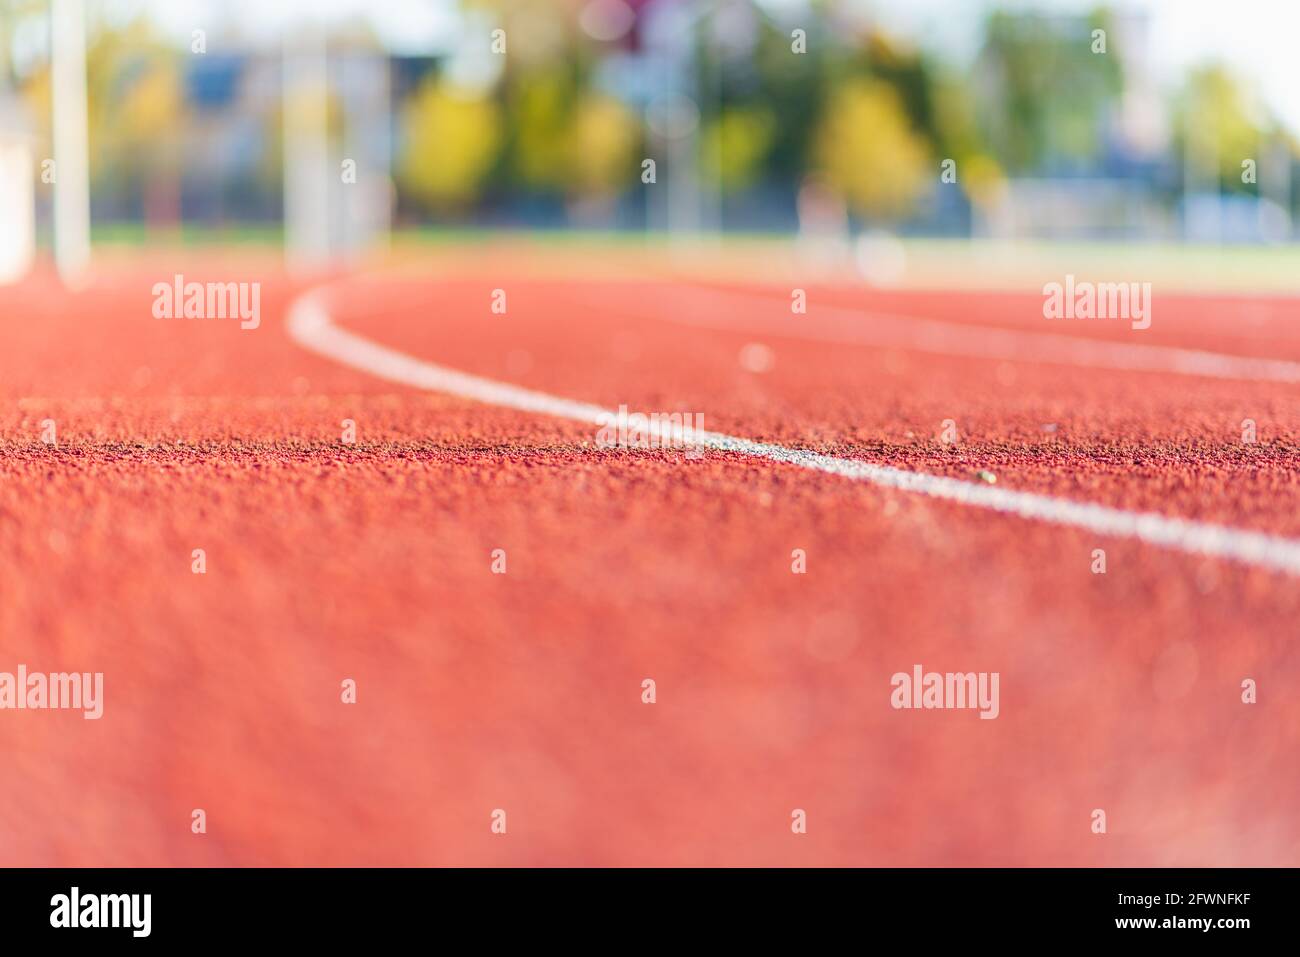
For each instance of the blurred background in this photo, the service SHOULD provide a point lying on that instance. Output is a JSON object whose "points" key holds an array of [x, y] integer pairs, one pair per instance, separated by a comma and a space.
{"points": [[333, 125]]}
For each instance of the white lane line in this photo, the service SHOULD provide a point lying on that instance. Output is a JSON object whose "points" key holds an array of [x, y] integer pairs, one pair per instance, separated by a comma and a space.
{"points": [[309, 324], [713, 309]]}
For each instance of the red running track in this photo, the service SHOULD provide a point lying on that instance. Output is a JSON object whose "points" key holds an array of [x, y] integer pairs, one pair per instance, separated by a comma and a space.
{"points": [[522, 691]]}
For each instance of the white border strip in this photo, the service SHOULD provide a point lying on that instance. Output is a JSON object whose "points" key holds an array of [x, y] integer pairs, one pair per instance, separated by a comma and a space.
{"points": [[309, 324]]}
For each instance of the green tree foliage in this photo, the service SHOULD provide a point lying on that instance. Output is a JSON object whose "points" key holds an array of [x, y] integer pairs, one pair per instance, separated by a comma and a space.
{"points": [[791, 88], [451, 142], [540, 107], [1219, 123], [958, 137], [736, 145], [1042, 89], [601, 146], [867, 150]]}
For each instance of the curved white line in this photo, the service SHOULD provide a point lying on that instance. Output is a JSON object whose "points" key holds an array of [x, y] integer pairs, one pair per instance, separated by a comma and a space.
{"points": [[309, 325], [867, 327]]}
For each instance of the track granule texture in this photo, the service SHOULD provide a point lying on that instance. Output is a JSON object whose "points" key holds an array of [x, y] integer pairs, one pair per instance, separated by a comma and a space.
{"points": [[373, 561]]}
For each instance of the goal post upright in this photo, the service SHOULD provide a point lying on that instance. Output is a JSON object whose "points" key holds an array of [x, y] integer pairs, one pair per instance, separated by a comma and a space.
{"points": [[71, 146], [305, 103]]}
